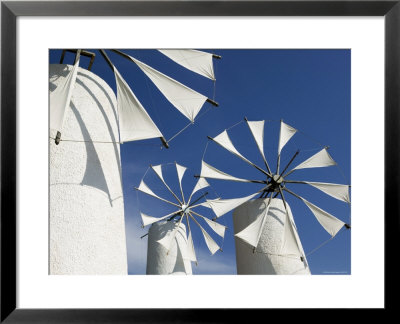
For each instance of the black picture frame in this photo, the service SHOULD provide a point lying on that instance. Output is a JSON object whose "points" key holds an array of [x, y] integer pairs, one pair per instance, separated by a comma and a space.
{"points": [[10, 10]]}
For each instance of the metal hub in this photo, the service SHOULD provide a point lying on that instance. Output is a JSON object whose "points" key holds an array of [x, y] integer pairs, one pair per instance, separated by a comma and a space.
{"points": [[276, 181]]}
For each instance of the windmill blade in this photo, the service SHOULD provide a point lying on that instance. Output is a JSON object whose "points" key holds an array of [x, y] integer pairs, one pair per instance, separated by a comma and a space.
{"points": [[134, 121], [190, 245], [329, 222], [181, 171], [318, 160], [201, 183], [158, 171], [60, 98], [338, 191], [224, 141], [166, 241], [257, 130], [223, 206], [196, 61], [286, 133], [186, 100], [252, 233], [145, 189], [211, 244], [208, 171], [216, 227], [291, 241], [147, 220]]}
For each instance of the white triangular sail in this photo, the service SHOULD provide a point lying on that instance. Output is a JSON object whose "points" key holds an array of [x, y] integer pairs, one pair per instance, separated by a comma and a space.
{"points": [[186, 100], [318, 160], [257, 130], [285, 135], [134, 121], [158, 170], [180, 171], [216, 227], [290, 244], [212, 246], [190, 247], [169, 236], [208, 171], [147, 220], [201, 183], [338, 191], [60, 98], [223, 206], [252, 233], [196, 61], [145, 189], [329, 222], [224, 140]]}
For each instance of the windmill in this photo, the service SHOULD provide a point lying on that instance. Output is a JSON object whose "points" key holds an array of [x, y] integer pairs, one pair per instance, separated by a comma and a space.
{"points": [[267, 239], [134, 121], [88, 122], [170, 250]]}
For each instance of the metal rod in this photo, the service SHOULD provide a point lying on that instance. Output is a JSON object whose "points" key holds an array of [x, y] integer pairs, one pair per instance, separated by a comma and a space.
{"points": [[214, 103], [174, 215], [217, 56], [294, 156], [203, 195], [110, 64], [121, 53], [252, 181]]}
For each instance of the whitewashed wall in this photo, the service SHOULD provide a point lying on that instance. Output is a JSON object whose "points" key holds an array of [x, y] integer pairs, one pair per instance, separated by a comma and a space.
{"points": [[264, 260], [161, 261], [87, 227]]}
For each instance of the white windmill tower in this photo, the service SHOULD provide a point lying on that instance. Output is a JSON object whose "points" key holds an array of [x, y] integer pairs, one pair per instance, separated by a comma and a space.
{"points": [[88, 122], [170, 239], [266, 237]]}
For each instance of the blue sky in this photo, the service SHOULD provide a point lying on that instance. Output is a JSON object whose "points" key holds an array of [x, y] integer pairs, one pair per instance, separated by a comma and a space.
{"points": [[308, 89]]}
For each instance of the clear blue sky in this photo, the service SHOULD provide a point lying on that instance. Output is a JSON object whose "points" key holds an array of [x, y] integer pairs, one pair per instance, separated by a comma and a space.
{"points": [[308, 89]]}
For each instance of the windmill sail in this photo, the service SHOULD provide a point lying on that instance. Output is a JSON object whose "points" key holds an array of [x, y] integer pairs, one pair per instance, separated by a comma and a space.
{"points": [[285, 135], [60, 98], [252, 233], [147, 220], [318, 160], [211, 244], [223, 206], [145, 189], [330, 223], [216, 227], [257, 130], [290, 244], [134, 121], [201, 183], [224, 140], [190, 247], [338, 191], [186, 100], [196, 61], [208, 171], [181, 171]]}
